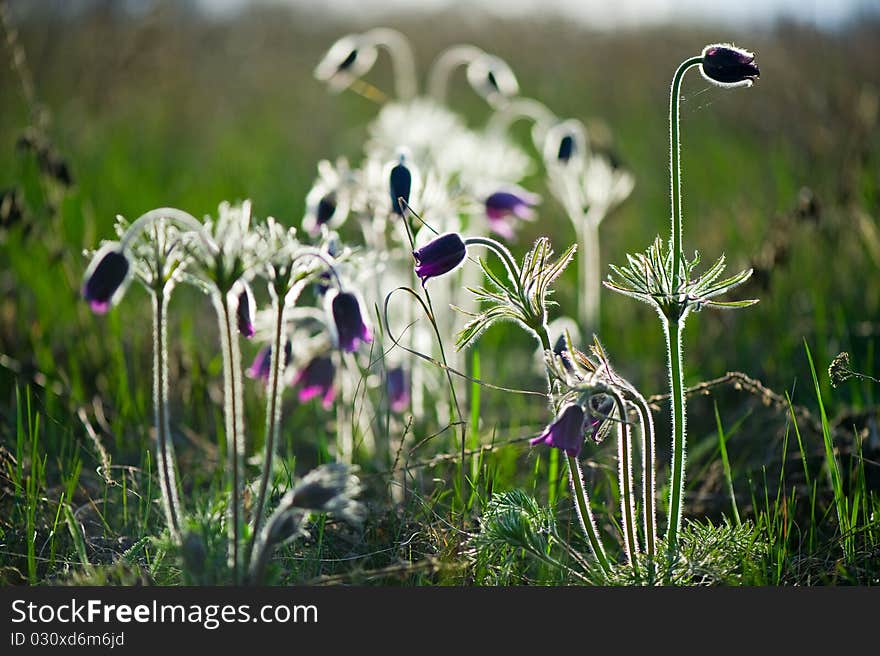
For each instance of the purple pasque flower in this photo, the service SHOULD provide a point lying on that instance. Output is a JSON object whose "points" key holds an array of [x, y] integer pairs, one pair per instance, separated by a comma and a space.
{"points": [[105, 278], [244, 311], [398, 389], [400, 186], [503, 204], [440, 255], [348, 321], [727, 65], [261, 367], [316, 379], [566, 432]]}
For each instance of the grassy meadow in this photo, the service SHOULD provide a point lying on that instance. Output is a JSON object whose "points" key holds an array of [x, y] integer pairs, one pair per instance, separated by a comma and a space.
{"points": [[167, 108]]}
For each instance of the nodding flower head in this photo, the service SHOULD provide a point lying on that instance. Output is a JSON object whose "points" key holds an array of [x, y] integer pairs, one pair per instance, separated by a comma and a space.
{"points": [[400, 185], [348, 321], [512, 202], [729, 66], [565, 142], [346, 60], [261, 367], [492, 78], [566, 432], [398, 389], [316, 379], [439, 256], [245, 310], [105, 279]]}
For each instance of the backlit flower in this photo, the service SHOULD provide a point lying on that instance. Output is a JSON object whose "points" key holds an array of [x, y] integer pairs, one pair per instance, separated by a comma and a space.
{"points": [[727, 65], [316, 379], [503, 204], [398, 389], [105, 278], [439, 256], [348, 321], [566, 432]]}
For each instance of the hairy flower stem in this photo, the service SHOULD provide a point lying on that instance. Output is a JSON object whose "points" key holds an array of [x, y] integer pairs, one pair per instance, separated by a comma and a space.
{"points": [[585, 515], [675, 166], [625, 476], [273, 413], [672, 330], [232, 394], [672, 326], [649, 468], [164, 449]]}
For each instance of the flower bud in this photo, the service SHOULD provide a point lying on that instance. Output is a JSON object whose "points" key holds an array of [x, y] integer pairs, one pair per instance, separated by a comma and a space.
{"points": [[726, 65], [400, 185], [105, 278], [439, 256], [244, 311], [348, 321], [316, 379]]}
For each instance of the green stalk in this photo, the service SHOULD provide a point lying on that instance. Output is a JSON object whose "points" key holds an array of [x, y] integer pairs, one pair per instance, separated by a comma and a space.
{"points": [[675, 165], [625, 475], [164, 448], [649, 468], [672, 325], [672, 331], [273, 414], [234, 424], [585, 515]]}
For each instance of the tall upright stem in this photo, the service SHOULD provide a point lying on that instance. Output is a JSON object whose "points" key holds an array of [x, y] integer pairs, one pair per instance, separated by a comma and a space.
{"points": [[649, 467], [672, 326], [585, 515], [672, 330], [625, 476], [232, 395], [164, 448], [273, 413], [675, 165]]}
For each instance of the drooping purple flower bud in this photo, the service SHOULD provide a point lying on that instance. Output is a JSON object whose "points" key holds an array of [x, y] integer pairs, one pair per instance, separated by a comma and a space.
{"points": [[398, 389], [566, 432], [348, 321], [439, 256], [506, 203], [105, 278], [261, 367], [316, 379], [326, 208], [244, 312], [400, 185], [727, 65], [560, 348]]}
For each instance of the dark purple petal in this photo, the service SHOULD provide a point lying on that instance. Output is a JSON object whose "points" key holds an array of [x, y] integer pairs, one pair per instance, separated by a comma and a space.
{"points": [[439, 256], [728, 64], [566, 432], [316, 379], [400, 184], [326, 209], [398, 389], [262, 365], [350, 327], [106, 275], [243, 314]]}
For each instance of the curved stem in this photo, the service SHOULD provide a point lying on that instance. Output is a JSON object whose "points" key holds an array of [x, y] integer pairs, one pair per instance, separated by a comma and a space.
{"points": [[164, 448], [672, 331], [402, 59], [585, 515], [446, 62], [184, 219], [522, 109], [675, 166]]}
